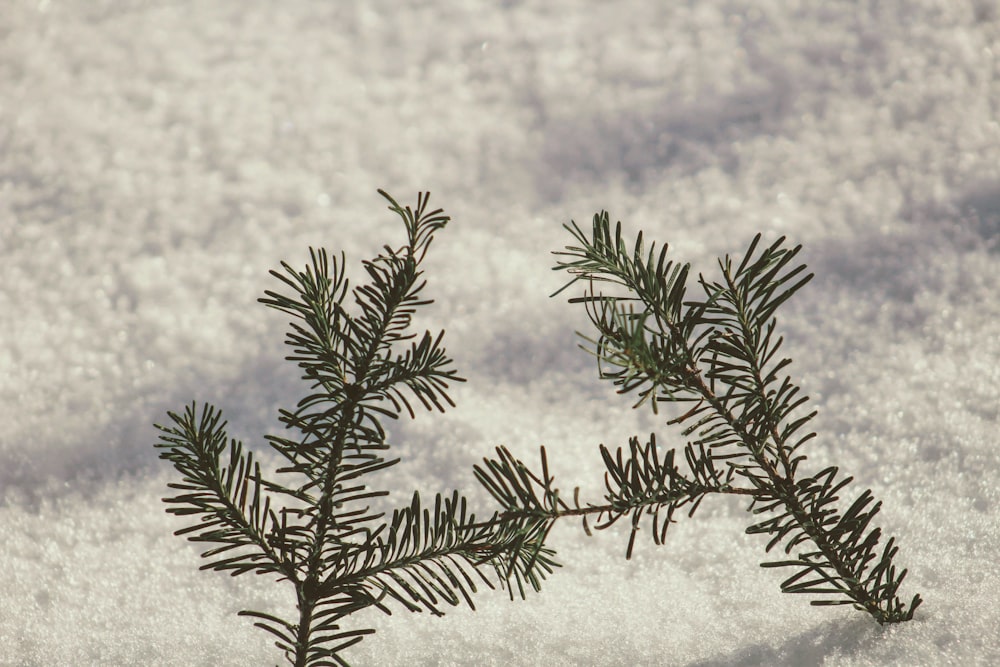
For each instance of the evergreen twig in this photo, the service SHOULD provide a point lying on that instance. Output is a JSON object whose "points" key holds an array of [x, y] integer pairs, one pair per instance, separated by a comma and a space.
{"points": [[316, 529], [718, 354]]}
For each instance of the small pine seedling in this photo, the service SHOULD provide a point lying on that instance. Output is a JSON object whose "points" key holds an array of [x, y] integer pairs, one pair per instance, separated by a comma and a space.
{"points": [[314, 528], [719, 355]]}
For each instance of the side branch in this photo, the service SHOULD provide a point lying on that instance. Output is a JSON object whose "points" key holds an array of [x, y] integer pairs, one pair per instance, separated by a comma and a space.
{"points": [[638, 485]]}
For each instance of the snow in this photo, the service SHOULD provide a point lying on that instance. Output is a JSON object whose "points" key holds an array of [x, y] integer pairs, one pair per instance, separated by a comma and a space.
{"points": [[159, 157]]}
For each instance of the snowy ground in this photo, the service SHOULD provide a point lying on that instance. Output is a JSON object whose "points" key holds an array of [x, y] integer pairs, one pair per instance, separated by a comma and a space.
{"points": [[157, 158]]}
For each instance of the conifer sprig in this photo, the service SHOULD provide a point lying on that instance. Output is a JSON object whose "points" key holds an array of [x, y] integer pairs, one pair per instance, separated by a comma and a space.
{"points": [[747, 423], [314, 527]]}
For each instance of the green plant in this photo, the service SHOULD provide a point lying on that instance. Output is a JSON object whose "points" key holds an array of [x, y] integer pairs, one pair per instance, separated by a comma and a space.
{"points": [[718, 354], [315, 528]]}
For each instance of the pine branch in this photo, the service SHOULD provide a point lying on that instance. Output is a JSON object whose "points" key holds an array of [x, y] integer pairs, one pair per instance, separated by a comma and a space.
{"points": [[314, 527], [725, 356], [719, 353], [429, 557], [227, 496], [638, 484]]}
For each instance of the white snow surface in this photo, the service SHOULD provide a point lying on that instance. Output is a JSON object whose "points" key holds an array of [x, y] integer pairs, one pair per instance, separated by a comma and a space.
{"points": [[158, 158]]}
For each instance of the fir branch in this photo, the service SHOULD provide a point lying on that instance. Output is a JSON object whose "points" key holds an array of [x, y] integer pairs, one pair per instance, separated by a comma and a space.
{"points": [[315, 527], [638, 484], [722, 353], [227, 495], [719, 354]]}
